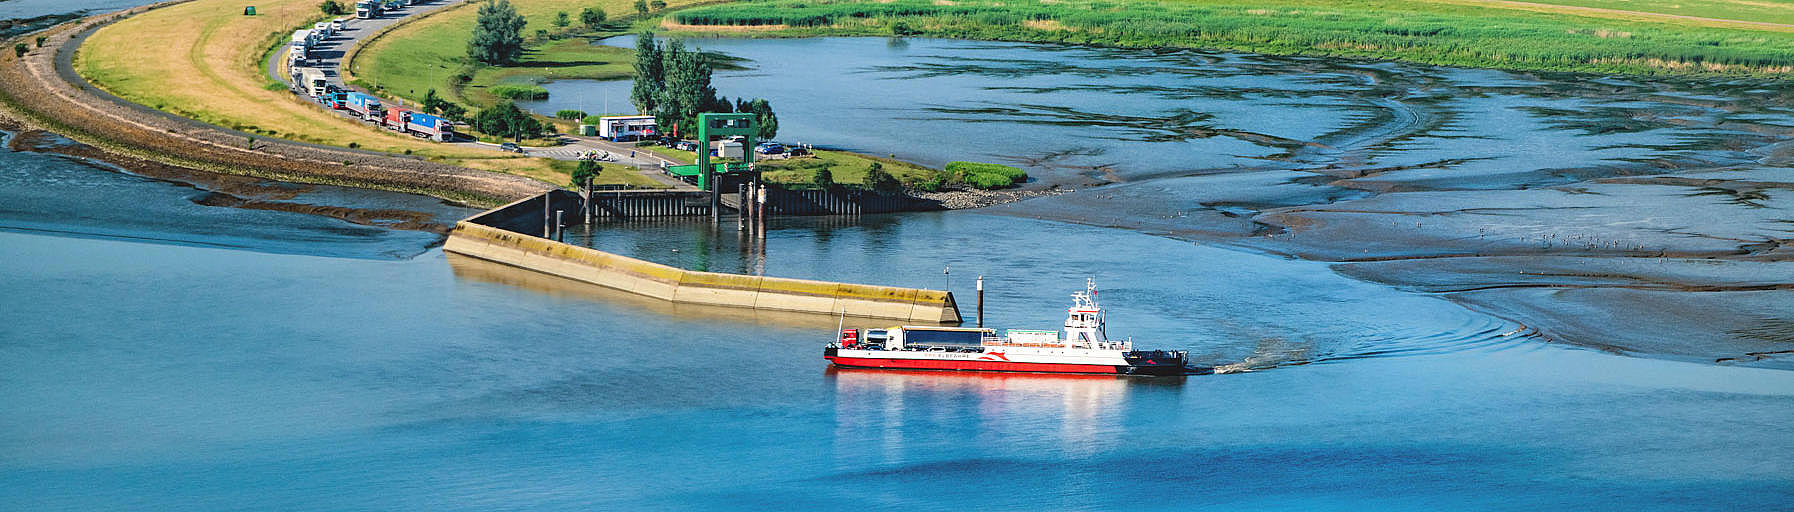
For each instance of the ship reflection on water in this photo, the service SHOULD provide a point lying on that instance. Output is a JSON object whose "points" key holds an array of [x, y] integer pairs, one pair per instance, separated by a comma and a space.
{"points": [[880, 415]]}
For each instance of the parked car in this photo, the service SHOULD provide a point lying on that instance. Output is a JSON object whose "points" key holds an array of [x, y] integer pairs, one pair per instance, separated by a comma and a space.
{"points": [[769, 148], [511, 147], [685, 145]]}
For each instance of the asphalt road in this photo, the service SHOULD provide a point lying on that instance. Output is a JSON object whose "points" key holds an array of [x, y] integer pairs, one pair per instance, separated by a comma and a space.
{"points": [[330, 54]]}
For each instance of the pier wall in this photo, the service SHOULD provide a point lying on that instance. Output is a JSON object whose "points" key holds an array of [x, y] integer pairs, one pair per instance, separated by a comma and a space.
{"points": [[508, 235]]}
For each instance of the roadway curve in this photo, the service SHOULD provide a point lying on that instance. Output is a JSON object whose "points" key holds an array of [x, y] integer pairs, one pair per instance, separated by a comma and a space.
{"points": [[339, 49], [41, 89]]}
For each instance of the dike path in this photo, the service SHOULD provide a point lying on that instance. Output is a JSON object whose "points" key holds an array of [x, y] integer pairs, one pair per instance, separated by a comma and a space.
{"points": [[41, 90]]}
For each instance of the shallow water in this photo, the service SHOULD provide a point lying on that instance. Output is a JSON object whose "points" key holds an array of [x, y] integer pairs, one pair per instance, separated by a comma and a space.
{"points": [[188, 368], [1497, 175]]}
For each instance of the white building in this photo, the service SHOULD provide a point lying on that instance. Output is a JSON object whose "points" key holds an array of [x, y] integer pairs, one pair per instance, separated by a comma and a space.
{"points": [[626, 128]]}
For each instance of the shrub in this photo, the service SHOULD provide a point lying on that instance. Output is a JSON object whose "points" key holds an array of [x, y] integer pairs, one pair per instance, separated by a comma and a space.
{"points": [[985, 180], [333, 8], [19, 49], [965, 170], [586, 169], [879, 180], [520, 92], [40, 41], [590, 119], [571, 115], [561, 19], [591, 18], [823, 178]]}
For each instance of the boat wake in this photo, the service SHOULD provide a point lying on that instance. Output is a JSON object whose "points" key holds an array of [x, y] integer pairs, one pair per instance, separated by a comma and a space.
{"points": [[1474, 333]]}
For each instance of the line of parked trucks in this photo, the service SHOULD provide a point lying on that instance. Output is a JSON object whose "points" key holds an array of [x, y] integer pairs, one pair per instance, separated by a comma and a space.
{"points": [[314, 83]]}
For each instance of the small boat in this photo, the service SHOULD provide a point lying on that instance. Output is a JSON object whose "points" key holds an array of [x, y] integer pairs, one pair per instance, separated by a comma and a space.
{"points": [[1084, 348]]}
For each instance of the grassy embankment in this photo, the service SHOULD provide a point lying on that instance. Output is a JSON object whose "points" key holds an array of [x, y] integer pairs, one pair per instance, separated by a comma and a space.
{"points": [[1632, 37], [204, 60], [428, 53]]}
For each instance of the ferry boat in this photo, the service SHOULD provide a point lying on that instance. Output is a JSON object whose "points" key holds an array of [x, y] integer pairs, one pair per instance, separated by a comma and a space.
{"points": [[1083, 349]]}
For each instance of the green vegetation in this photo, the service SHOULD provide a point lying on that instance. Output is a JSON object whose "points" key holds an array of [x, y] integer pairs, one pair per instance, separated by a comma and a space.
{"points": [[986, 176], [509, 121], [429, 53], [333, 8], [587, 169], [1746, 10], [845, 169], [879, 180], [591, 18], [520, 92], [674, 84], [19, 49], [571, 115], [1473, 33], [497, 34]]}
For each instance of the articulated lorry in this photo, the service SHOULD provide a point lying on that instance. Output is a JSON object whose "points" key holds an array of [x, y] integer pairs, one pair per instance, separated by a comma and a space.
{"points": [[419, 124], [367, 9], [311, 82], [364, 106]]}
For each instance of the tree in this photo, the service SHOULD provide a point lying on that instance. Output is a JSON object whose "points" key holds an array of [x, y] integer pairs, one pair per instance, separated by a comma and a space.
{"points": [[591, 18], [586, 169], [879, 180], [686, 91], [506, 120], [19, 49], [824, 179], [497, 35], [649, 75], [333, 8], [561, 19], [641, 6], [766, 121], [658, 4], [435, 104]]}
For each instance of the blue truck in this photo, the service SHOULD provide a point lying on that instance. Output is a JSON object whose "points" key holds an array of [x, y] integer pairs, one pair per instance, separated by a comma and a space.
{"points": [[364, 106]]}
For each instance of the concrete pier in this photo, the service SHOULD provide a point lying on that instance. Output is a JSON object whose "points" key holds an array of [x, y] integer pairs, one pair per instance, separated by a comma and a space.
{"points": [[494, 236]]}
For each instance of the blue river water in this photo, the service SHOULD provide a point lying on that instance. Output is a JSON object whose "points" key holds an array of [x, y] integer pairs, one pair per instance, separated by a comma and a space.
{"points": [[178, 363]]}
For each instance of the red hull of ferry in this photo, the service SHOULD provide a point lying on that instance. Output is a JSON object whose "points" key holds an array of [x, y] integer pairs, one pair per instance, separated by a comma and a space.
{"points": [[974, 365]]}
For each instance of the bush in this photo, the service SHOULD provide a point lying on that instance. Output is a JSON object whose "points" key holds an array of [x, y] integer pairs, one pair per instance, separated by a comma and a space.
{"points": [[19, 49], [985, 180], [571, 115], [586, 169], [933, 183], [40, 41], [823, 179], [590, 119], [591, 18], [879, 180], [333, 8], [965, 170], [520, 92]]}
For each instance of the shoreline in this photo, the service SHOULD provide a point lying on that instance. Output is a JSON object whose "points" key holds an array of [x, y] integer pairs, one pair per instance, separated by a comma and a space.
{"points": [[41, 91]]}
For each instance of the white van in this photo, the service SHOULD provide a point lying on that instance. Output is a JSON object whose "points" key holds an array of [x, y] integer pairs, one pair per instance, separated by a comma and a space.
{"points": [[339, 23]]}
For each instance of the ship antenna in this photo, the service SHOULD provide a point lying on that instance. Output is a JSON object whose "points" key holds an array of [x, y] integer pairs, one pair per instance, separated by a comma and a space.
{"points": [[842, 322]]}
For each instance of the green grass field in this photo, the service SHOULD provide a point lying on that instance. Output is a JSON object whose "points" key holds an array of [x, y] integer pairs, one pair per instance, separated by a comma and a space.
{"points": [[1470, 33], [1771, 11], [428, 53]]}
